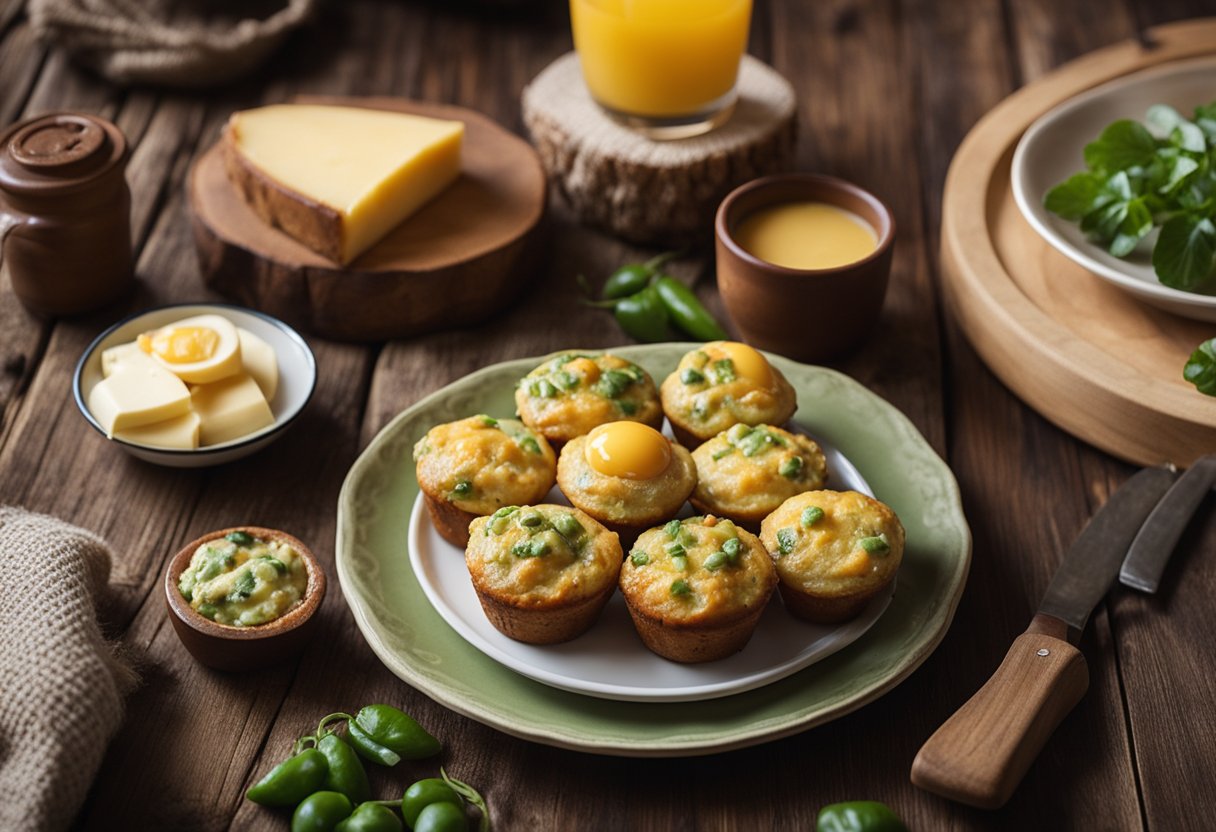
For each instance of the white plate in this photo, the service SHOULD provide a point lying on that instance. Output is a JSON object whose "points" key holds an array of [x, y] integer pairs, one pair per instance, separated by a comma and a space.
{"points": [[609, 660], [1051, 151]]}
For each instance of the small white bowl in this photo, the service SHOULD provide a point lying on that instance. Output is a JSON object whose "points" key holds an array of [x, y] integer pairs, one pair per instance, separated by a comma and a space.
{"points": [[1051, 151], [297, 379]]}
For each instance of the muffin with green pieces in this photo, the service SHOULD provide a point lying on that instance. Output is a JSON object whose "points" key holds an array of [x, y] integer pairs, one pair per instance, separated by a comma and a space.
{"points": [[696, 588], [834, 552], [475, 466], [721, 384], [572, 393], [542, 573], [745, 472]]}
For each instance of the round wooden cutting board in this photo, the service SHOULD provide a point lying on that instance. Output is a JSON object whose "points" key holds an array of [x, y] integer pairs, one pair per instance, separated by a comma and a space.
{"points": [[1089, 357], [453, 263]]}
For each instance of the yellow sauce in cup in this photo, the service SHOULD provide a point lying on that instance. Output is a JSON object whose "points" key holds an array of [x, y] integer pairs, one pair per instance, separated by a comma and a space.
{"points": [[806, 235]]}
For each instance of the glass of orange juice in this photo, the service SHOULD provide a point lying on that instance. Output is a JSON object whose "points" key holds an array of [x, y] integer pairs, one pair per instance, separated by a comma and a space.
{"points": [[664, 67]]}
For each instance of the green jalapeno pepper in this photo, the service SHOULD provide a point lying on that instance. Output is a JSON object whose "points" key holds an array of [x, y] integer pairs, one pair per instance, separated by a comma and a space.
{"points": [[686, 311], [441, 817], [422, 794], [634, 277], [345, 773], [859, 816], [370, 817], [291, 780], [643, 316], [320, 812], [368, 748], [395, 730]]}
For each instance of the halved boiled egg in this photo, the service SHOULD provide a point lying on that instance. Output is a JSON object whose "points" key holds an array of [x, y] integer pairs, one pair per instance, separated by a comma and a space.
{"points": [[627, 449], [197, 350]]}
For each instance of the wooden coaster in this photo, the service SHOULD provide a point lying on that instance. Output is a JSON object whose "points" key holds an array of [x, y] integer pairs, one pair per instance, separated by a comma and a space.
{"points": [[455, 262], [646, 191]]}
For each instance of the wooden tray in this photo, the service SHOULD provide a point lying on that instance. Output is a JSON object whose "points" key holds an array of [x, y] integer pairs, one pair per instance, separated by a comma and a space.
{"points": [[1087, 356], [453, 263]]}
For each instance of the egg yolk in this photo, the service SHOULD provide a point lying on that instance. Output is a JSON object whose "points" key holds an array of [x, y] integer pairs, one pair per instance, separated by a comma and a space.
{"points": [[627, 449], [749, 363], [181, 345]]}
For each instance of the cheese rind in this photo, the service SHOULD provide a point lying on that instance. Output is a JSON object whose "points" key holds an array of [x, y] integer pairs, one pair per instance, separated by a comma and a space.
{"points": [[137, 394], [230, 409], [339, 178], [179, 433]]}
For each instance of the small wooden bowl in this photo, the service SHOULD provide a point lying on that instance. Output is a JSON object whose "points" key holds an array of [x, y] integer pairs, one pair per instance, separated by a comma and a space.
{"points": [[223, 647], [805, 314]]}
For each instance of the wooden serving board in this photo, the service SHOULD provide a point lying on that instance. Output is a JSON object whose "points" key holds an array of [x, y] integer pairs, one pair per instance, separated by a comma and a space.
{"points": [[1089, 357], [453, 263]]}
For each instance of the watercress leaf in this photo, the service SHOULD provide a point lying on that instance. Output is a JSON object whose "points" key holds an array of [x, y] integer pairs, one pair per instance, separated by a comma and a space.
{"points": [[1189, 137], [1103, 224], [1185, 252], [1180, 171], [1123, 144], [1077, 196], [1163, 118], [1200, 369]]}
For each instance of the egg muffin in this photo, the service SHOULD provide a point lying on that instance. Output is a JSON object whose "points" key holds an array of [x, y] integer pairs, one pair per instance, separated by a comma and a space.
{"points": [[721, 384], [744, 473], [542, 573], [626, 475], [834, 551], [572, 393], [696, 588], [473, 467]]}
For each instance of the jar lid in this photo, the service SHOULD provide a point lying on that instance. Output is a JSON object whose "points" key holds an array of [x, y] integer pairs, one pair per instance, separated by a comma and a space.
{"points": [[59, 153]]}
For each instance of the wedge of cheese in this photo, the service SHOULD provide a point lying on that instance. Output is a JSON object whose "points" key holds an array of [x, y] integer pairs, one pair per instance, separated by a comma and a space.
{"points": [[137, 392], [339, 178], [179, 433], [229, 409]]}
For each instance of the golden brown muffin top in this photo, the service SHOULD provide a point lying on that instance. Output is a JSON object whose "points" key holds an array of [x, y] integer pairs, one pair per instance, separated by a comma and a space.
{"points": [[722, 384], [571, 393], [746, 472], [697, 571], [623, 499], [541, 555], [481, 463], [834, 543]]}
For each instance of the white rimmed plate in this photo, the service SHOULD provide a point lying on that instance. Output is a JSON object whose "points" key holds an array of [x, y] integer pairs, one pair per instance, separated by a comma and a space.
{"points": [[1051, 151]]}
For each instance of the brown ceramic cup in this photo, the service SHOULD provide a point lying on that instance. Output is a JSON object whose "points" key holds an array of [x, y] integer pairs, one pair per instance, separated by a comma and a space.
{"points": [[244, 648], [805, 314]]}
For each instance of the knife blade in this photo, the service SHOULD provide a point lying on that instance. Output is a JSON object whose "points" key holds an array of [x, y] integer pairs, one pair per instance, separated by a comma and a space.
{"points": [[979, 755], [1162, 530]]}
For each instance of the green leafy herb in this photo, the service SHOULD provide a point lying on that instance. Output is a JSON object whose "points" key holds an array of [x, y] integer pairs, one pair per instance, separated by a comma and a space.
{"points": [[1139, 178], [1200, 368]]}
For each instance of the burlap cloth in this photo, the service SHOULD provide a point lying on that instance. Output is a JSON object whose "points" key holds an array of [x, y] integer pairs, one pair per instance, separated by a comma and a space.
{"points": [[185, 43], [61, 686]]}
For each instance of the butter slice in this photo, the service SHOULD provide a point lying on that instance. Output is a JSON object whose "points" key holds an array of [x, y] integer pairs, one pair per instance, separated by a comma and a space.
{"points": [[339, 178], [137, 393], [230, 409], [260, 362], [179, 433]]}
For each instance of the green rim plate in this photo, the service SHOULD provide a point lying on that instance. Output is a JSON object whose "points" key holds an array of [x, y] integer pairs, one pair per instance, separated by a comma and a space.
{"points": [[418, 646]]}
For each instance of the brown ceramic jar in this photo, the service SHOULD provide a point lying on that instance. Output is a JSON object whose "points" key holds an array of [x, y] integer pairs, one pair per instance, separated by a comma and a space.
{"points": [[65, 212]]}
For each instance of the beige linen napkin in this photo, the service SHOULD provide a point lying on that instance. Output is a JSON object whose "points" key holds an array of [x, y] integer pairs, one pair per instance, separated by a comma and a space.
{"points": [[183, 43], [61, 686]]}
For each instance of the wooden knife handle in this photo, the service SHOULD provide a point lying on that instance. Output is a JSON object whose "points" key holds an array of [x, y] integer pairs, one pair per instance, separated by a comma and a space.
{"points": [[980, 754]]}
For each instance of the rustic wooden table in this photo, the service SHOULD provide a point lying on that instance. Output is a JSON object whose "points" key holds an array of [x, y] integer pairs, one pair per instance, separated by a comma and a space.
{"points": [[887, 90]]}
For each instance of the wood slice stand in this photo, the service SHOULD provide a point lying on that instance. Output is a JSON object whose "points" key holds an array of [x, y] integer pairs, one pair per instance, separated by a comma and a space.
{"points": [[646, 191], [453, 263], [1089, 357]]}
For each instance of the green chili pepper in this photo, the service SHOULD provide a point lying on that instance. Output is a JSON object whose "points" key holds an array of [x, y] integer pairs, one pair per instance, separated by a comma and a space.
{"points": [[239, 538], [368, 748], [396, 730], [643, 316], [422, 794], [859, 816], [291, 780], [345, 772], [441, 817], [626, 280], [686, 311], [370, 817], [321, 812]]}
